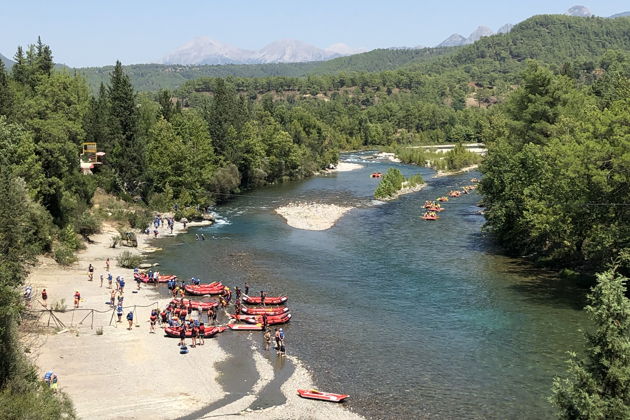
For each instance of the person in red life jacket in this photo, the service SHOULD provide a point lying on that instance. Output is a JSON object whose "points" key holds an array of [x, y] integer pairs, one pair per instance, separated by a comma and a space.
{"points": [[153, 320], [163, 317], [44, 298], [177, 312], [194, 332], [202, 333], [190, 307], [182, 335], [183, 314], [237, 307], [77, 298]]}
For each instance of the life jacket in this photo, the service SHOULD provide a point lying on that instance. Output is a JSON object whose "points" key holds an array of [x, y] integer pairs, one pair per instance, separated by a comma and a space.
{"points": [[130, 316], [44, 295]]}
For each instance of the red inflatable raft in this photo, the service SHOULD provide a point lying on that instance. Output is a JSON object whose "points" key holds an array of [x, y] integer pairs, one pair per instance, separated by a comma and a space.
{"points": [[204, 289], [144, 278], [269, 300], [429, 217], [271, 320], [195, 305], [257, 319], [324, 396], [210, 332], [269, 311], [435, 208], [245, 327]]}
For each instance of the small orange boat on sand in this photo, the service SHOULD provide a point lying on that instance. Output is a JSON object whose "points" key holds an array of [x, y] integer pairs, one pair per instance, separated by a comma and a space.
{"points": [[323, 396], [376, 175]]}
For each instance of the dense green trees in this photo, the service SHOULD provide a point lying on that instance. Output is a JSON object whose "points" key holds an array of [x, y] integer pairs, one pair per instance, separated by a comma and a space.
{"points": [[556, 174], [598, 385]]}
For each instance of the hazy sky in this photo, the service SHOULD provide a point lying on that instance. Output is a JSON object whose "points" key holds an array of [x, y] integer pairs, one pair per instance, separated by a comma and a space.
{"points": [[96, 33]]}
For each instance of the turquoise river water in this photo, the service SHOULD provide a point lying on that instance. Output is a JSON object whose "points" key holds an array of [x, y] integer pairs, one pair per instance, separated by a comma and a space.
{"points": [[414, 319]]}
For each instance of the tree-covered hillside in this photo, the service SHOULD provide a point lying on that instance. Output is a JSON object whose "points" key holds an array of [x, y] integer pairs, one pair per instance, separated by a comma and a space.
{"points": [[151, 77]]}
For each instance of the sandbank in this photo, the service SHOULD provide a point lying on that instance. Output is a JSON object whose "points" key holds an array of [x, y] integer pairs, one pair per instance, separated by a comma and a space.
{"points": [[440, 174], [134, 374], [312, 216], [346, 167]]}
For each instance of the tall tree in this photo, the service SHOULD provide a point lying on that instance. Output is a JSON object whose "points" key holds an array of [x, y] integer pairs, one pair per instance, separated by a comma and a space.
{"points": [[127, 152], [598, 386], [6, 94]]}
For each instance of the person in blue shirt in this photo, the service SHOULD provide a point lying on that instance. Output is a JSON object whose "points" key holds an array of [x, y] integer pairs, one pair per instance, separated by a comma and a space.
{"points": [[122, 284], [110, 278], [119, 312], [130, 319], [50, 379]]}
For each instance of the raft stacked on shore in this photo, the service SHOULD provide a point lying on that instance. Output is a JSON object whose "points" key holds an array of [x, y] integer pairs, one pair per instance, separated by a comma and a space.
{"points": [[175, 332], [144, 278], [215, 288], [269, 300]]}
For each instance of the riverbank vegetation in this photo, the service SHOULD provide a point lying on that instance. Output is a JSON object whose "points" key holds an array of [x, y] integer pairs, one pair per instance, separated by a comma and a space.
{"points": [[557, 172], [393, 182], [598, 383], [453, 160]]}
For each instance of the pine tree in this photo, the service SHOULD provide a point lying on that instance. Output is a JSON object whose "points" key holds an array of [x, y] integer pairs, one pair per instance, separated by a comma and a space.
{"points": [[44, 59], [127, 154], [598, 386], [19, 70], [6, 95]]}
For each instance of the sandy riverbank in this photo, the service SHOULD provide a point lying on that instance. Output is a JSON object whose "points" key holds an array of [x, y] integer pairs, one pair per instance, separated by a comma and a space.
{"points": [[440, 174], [346, 167], [405, 190], [135, 374], [312, 216]]}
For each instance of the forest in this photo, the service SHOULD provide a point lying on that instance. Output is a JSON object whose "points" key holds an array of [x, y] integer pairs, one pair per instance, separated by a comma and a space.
{"points": [[556, 177]]}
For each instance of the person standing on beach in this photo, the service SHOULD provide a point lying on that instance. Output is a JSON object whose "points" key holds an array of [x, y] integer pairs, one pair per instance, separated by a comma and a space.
{"points": [[130, 319], [262, 297], [182, 335], [153, 319], [119, 312], [267, 339], [265, 322], [210, 315], [112, 297], [91, 272], [77, 299], [107, 264], [276, 337], [202, 334], [44, 298], [109, 280], [122, 285]]}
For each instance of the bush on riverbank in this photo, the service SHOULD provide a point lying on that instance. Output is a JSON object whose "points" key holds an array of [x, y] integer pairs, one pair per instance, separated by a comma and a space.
{"points": [[457, 158], [393, 181], [126, 259]]}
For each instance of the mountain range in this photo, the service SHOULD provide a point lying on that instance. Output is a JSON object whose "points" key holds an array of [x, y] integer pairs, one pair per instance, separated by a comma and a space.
{"points": [[457, 40], [204, 50]]}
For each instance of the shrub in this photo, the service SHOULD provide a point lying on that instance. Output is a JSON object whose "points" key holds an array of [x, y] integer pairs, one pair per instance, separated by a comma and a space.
{"points": [[63, 254], [60, 306], [87, 224], [139, 219], [126, 259], [189, 213], [414, 180]]}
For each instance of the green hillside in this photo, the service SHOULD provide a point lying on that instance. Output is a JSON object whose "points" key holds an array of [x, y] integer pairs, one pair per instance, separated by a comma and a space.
{"points": [[152, 77]]}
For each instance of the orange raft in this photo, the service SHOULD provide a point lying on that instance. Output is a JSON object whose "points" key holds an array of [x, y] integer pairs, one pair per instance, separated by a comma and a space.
{"points": [[428, 216], [323, 396]]}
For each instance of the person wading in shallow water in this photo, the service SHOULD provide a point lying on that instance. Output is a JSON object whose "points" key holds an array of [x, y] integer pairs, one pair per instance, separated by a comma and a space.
{"points": [[267, 339]]}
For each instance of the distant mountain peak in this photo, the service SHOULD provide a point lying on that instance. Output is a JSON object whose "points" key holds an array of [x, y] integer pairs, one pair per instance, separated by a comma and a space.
{"points": [[457, 40], [505, 28], [479, 33], [579, 11], [454, 40], [203, 50]]}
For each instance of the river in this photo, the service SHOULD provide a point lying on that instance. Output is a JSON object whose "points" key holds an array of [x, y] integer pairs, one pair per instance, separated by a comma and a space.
{"points": [[414, 319]]}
